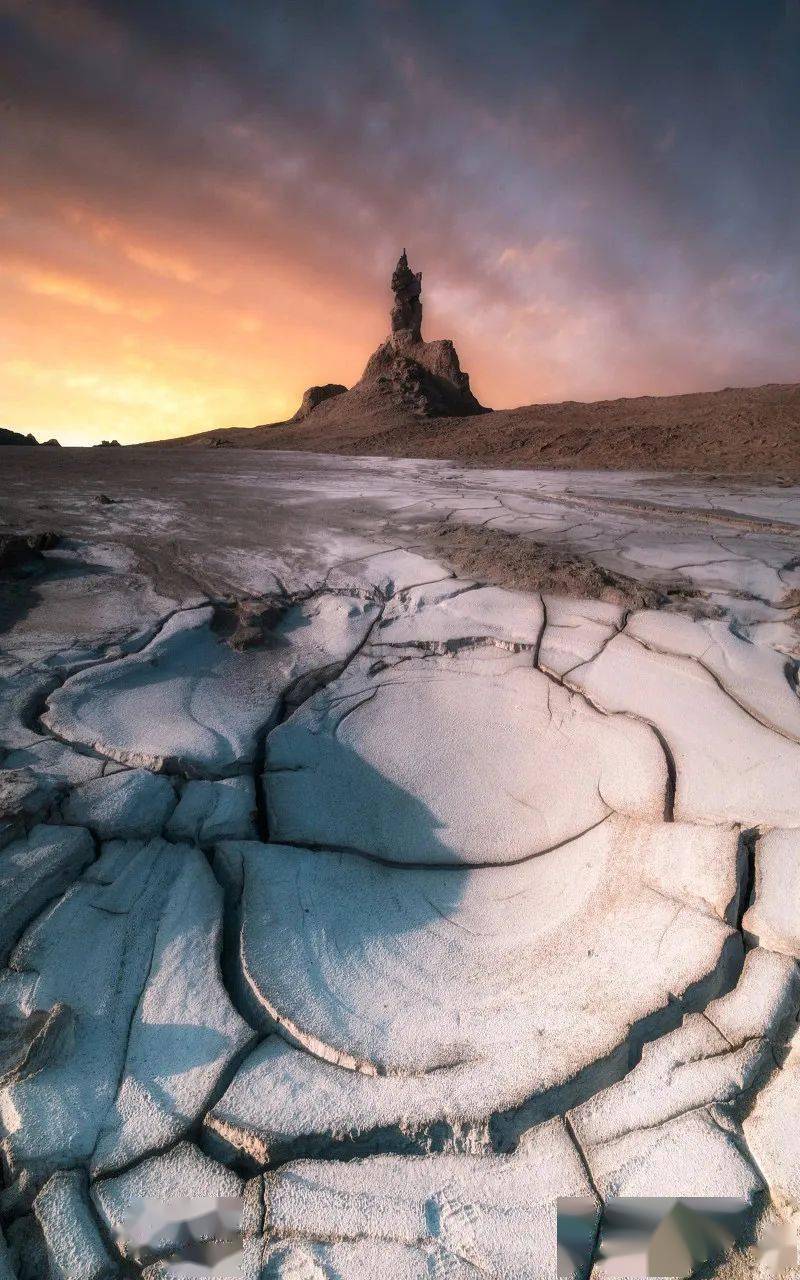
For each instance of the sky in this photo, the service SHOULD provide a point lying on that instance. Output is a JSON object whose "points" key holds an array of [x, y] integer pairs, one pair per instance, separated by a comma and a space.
{"points": [[201, 202]]}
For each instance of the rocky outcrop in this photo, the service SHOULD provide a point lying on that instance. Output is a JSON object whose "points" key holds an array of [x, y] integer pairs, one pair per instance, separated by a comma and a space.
{"points": [[7, 436], [24, 550], [407, 309], [314, 396], [424, 377], [405, 378]]}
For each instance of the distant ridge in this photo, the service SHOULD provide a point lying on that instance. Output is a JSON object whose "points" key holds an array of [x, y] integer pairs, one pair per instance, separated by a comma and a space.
{"points": [[7, 436], [754, 430]]}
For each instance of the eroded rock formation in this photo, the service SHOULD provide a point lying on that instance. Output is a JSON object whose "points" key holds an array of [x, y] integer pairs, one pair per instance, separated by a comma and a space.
{"points": [[315, 395], [407, 309], [426, 377], [406, 377]]}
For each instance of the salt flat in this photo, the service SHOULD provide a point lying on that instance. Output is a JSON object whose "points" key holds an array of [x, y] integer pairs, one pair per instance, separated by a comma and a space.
{"points": [[399, 899]]}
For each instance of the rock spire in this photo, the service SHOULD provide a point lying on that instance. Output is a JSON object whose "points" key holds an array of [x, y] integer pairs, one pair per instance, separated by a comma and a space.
{"points": [[407, 309]]}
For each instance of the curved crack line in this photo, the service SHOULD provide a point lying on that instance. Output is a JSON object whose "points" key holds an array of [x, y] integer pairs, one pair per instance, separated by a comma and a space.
{"points": [[293, 1034], [670, 790], [449, 867], [729, 693]]}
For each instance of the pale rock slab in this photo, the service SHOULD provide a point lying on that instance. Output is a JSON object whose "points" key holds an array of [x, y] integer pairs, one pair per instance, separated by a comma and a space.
{"points": [[712, 1057], [11, 828], [190, 702], [773, 919], [54, 765], [702, 866], [409, 602], [387, 572], [576, 631], [185, 1032], [35, 869], [212, 811], [50, 765], [688, 1068], [357, 1260], [19, 793], [75, 1247], [772, 1131], [763, 1002], [466, 1215], [23, 687], [228, 863], [780, 635], [706, 732], [703, 563], [131, 804], [284, 1102], [26, 1249], [690, 1155], [753, 676], [455, 613], [161, 1187], [89, 598], [27, 1044], [460, 947], [477, 774], [154, 1027]]}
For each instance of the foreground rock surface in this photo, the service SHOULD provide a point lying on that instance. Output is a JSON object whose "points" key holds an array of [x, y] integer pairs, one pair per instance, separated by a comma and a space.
{"points": [[464, 783], [459, 1215], [153, 1026], [191, 703], [387, 903]]}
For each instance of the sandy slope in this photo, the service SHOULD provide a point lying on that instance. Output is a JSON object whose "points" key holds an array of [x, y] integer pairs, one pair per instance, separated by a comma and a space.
{"points": [[752, 429]]}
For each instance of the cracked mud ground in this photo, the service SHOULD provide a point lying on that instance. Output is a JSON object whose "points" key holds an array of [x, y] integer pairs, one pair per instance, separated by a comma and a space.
{"points": [[378, 875]]}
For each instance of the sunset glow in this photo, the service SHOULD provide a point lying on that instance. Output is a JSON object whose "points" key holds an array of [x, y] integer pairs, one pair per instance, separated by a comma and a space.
{"points": [[201, 205]]}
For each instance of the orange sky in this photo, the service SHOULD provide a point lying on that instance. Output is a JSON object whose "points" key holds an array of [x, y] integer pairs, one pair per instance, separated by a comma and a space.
{"points": [[201, 203], [120, 331]]}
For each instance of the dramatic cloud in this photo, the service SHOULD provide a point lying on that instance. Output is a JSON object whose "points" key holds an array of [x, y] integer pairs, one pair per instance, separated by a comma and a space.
{"points": [[202, 201]]}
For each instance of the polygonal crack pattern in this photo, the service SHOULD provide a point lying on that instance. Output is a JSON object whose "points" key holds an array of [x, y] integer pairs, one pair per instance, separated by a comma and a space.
{"points": [[397, 907]]}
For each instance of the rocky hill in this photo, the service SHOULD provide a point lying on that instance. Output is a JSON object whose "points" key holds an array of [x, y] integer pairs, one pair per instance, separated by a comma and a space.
{"points": [[738, 430], [414, 400], [7, 436]]}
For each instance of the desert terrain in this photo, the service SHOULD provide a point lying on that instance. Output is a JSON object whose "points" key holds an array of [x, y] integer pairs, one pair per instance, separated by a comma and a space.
{"points": [[738, 431], [400, 640], [413, 400], [391, 847]]}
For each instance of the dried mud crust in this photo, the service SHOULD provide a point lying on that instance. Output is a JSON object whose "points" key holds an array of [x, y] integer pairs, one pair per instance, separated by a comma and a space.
{"points": [[515, 561], [393, 795]]}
